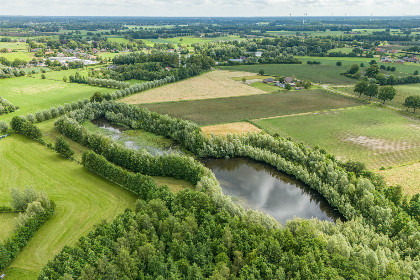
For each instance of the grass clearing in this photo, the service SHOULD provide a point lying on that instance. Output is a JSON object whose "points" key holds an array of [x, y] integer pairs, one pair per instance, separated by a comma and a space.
{"points": [[327, 74], [83, 200], [214, 84], [7, 222], [407, 176], [372, 134], [233, 109], [229, 128]]}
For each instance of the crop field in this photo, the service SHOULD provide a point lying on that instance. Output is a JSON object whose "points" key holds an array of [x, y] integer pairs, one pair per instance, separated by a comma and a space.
{"points": [[224, 129], [214, 84], [407, 176], [224, 110], [7, 222], [372, 134], [403, 91], [327, 74], [35, 94], [83, 200]]}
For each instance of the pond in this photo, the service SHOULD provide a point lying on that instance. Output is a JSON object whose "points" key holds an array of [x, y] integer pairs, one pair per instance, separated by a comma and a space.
{"points": [[262, 187], [137, 139]]}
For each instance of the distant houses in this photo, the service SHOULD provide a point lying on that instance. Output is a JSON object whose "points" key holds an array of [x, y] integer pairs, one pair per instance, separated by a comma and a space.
{"points": [[387, 59]]}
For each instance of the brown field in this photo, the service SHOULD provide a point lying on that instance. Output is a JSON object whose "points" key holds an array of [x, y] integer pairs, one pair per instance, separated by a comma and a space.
{"points": [[407, 176], [233, 128], [215, 84]]}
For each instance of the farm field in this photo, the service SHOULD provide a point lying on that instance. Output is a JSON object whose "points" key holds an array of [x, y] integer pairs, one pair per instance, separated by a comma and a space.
{"points": [[403, 91], [19, 55], [229, 128], [407, 176], [224, 110], [372, 134], [188, 40], [7, 222], [214, 84], [34, 94], [83, 200], [327, 74]]}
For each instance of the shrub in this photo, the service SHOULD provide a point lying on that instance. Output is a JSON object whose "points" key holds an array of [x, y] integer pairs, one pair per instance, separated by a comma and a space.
{"points": [[63, 148]]}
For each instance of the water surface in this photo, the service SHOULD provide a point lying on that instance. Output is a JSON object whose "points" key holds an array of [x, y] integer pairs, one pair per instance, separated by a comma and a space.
{"points": [[262, 187]]}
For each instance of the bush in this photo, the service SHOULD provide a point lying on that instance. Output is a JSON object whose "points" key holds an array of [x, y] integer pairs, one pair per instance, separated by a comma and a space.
{"points": [[3, 126], [339, 63], [63, 148]]}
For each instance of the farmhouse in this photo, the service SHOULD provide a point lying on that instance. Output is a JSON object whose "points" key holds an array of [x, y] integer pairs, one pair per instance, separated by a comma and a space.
{"points": [[288, 80], [385, 59], [268, 80]]}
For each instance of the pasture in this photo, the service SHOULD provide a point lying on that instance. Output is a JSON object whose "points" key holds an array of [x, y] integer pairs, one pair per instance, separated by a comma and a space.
{"points": [[214, 84], [35, 94], [225, 110], [83, 200], [326, 74], [372, 134]]}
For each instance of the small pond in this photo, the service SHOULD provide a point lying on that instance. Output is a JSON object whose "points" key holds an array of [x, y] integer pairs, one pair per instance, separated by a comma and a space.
{"points": [[262, 187], [122, 135]]}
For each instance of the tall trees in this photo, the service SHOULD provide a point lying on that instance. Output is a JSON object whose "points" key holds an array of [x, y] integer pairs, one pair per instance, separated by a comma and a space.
{"points": [[361, 87], [413, 102], [371, 90]]}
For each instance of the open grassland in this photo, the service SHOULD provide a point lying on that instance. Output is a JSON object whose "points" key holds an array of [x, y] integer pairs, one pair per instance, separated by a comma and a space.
{"points": [[372, 134], [15, 46], [82, 199], [224, 110], [403, 91], [214, 84], [188, 40], [7, 222], [27, 56], [407, 176], [327, 74], [34, 94], [229, 128]]}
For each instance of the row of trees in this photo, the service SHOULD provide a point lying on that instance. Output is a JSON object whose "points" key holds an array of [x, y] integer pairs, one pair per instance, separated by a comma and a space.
{"points": [[372, 90], [109, 83], [35, 209]]}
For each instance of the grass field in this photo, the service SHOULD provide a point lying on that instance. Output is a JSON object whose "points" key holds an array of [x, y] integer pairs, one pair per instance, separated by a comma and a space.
{"points": [[82, 199], [7, 222], [403, 91], [15, 46], [224, 110], [327, 74], [213, 84], [372, 134], [407, 176], [20, 55], [34, 94]]}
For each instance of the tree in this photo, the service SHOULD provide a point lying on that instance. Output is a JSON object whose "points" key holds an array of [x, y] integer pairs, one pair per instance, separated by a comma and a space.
{"points": [[64, 79], [381, 79], [97, 97], [3, 126], [243, 80], [43, 76], [261, 72], [387, 93], [372, 62], [362, 64], [416, 72], [372, 71], [361, 87], [288, 87], [339, 63], [413, 102], [63, 148], [371, 90], [353, 69]]}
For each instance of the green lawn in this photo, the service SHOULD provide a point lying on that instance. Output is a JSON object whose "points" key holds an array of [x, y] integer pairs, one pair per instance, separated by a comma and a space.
{"points": [[265, 87], [372, 134], [327, 74], [20, 55], [82, 199], [7, 222], [223, 110], [35, 94], [16, 46], [403, 91]]}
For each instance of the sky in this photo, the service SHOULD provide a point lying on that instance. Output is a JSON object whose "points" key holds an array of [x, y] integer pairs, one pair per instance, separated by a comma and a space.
{"points": [[210, 8]]}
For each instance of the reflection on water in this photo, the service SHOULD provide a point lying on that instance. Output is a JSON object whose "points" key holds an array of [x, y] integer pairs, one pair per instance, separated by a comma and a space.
{"points": [[116, 132], [261, 187]]}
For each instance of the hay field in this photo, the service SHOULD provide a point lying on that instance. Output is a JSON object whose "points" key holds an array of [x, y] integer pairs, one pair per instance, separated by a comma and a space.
{"points": [[215, 84], [407, 176], [233, 128]]}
